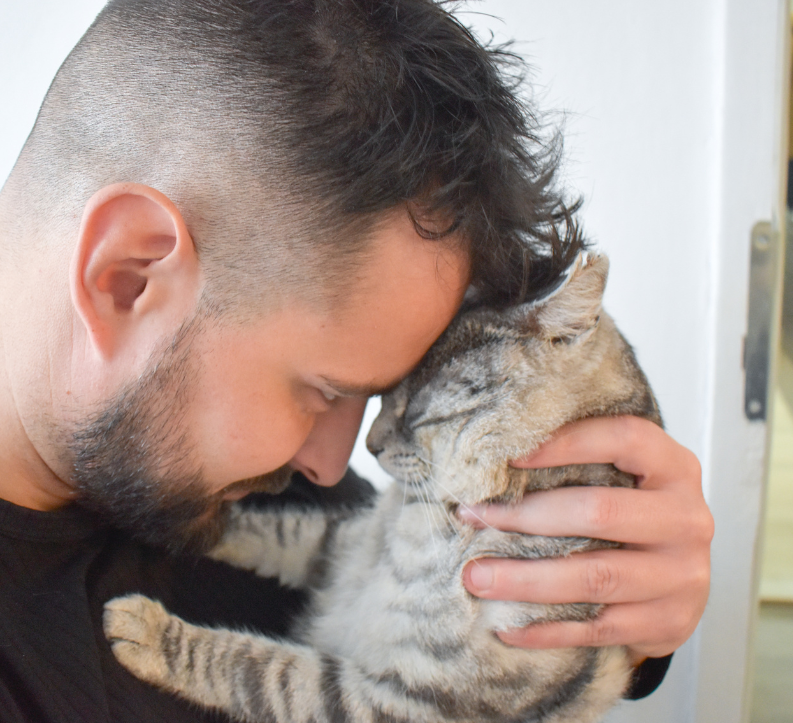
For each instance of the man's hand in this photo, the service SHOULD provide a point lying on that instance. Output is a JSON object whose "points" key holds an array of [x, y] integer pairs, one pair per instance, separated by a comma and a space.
{"points": [[655, 587]]}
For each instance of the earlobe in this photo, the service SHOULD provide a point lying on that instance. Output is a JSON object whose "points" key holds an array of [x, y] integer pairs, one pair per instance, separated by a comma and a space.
{"points": [[135, 272]]}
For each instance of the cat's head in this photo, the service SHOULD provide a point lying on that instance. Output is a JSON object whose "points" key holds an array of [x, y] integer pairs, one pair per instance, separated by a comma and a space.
{"points": [[498, 383]]}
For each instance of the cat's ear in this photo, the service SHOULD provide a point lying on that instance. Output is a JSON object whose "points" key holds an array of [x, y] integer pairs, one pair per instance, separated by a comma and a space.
{"points": [[574, 309]]}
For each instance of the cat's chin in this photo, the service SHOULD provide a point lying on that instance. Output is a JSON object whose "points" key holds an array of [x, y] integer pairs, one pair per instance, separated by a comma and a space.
{"points": [[424, 489], [416, 484]]}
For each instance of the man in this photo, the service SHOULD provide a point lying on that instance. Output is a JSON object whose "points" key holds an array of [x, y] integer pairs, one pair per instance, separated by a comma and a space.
{"points": [[233, 222]]}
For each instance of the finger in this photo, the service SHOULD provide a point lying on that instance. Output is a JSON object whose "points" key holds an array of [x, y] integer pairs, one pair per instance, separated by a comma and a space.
{"points": [[607, 513], [615, 625], [606, 576], [632, 444]]}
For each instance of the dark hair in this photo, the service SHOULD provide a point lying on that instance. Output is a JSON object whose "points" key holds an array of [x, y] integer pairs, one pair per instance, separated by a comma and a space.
{"points": [[346, 107]]}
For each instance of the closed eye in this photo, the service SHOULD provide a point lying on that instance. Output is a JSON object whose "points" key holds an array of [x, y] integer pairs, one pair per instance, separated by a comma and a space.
{"points": [[346, 389], [417, 422]]}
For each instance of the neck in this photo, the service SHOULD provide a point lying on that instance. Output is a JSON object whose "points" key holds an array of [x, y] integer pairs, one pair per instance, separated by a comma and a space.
{"points": [[25, 477]]}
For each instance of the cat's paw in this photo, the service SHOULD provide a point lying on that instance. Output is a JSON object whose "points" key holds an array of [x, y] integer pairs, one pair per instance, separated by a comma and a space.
{"points": [[502, 615], [141, 632]]}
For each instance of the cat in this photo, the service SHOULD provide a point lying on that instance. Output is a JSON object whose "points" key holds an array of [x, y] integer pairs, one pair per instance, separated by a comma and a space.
{"points": [[392, 636]]}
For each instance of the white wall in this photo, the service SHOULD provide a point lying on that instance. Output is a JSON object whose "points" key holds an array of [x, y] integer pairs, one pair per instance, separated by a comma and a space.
{"points": [[35, 37], [672, 114]]}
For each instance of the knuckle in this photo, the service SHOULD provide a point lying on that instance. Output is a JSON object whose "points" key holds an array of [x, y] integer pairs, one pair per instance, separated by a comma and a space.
{"points": [[601, 510], [680, 624], [707, 527], [699, 578], [695, 521], [630, 429], [601, 632], [699, 525], [601, 580]]}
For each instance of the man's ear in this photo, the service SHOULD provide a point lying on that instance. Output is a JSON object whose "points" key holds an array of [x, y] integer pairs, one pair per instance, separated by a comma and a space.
{"points": [[135, 275]]}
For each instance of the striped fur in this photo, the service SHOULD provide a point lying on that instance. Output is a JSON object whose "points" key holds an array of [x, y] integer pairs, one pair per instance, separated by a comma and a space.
{"points": [[392, 636]]}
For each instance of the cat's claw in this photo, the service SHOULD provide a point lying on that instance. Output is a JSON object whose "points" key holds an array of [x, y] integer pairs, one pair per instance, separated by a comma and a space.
{"points": [[137, 628]]}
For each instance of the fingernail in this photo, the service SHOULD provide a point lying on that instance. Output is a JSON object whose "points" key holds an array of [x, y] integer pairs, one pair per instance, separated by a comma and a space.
{"points": [[526, 462], [481, 577], [471, 514], [511, 637]]}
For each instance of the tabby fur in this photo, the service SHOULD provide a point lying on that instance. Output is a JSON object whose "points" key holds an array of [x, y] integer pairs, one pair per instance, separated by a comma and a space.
{"points": [[392, 636]]}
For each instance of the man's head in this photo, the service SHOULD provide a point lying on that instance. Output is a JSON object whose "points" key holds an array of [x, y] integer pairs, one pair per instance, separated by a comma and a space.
{"points": [[211, 181], [281, 129], [227, 409]]}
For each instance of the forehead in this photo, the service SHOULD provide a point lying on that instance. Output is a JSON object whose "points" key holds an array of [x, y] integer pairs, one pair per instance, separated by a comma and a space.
{"points": [[397, 262], [400, 297], [404, 293]]}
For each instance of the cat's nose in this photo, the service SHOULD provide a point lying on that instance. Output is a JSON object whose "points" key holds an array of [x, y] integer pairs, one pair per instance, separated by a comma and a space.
{"points": [[375, 440], [374, 447]]}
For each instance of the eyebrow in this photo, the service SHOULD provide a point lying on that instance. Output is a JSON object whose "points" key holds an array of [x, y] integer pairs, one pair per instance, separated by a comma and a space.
{"points": [[347, 389]]}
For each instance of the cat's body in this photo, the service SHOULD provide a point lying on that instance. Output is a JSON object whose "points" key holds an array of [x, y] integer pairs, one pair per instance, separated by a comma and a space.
{"points": [[392, 635]]}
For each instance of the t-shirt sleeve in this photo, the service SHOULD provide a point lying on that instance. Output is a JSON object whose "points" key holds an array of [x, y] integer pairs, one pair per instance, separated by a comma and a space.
{"points": [[647, 677]]}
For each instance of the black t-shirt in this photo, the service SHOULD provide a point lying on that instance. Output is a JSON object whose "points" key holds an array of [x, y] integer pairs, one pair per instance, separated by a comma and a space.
{"points": [[57, 569]]}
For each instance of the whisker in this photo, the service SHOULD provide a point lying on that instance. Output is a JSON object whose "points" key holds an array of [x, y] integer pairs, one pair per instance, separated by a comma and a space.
{"points": [[451, 494], [425, 506]]}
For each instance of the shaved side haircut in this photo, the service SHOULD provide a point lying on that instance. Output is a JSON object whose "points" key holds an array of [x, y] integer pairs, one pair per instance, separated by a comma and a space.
{"points": [[284, 129]]}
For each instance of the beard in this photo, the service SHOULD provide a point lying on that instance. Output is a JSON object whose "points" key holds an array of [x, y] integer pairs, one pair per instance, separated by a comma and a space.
{"points": [[133, 464]]}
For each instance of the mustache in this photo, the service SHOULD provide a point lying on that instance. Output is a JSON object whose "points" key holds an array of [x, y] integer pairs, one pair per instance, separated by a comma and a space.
{"points": [[272, 483]]}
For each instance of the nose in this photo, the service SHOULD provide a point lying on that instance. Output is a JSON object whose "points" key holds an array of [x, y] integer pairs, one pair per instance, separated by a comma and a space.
{"points": [[375, 447], [326, 451], [378, 434]]}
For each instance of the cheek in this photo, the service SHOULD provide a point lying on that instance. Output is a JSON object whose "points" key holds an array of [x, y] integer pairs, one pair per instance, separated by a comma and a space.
{"points": [[428, 443], [245, 432], [452, 450]]}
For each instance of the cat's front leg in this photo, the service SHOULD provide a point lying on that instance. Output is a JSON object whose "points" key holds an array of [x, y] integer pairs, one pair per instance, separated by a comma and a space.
{"points": [[505, 615], [252, 678], [142, 634], [491, 542], [286, 543]]}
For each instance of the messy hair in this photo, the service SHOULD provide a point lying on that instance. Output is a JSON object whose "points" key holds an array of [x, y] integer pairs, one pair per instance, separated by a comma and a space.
{"points": [[283, 129]]}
